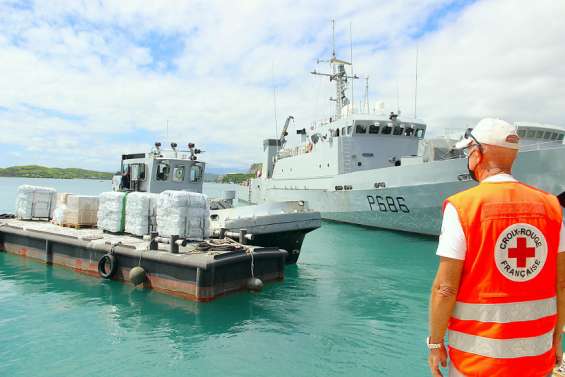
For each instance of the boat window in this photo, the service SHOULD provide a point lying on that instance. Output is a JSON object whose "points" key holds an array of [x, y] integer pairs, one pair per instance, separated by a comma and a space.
{"points": [[409, 131], [195, 173], [531, 133], [521, 133], [554, 136], [374, 129], [335, 132], [398, 130], [420, 133], [342, 131], [360, 129], [387, 130], [163, 169], [547, 135], [560, 137], [539, 134], [178, 173], [137, 172], [349, 129]]}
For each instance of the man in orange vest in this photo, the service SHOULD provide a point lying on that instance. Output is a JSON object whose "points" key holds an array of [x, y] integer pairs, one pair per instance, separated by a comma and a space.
{"points": [[499, 291]]}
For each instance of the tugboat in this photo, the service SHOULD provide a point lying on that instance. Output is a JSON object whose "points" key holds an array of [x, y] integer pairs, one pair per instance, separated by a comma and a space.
{"points": [[281, 224]]}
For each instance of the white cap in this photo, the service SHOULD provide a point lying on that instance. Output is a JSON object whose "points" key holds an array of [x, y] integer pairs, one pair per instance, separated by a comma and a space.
{"points": [[493, 132]]}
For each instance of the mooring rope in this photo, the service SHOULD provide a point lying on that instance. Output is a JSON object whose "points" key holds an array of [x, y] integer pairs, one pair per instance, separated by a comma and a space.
{"points": [[227, 244]]}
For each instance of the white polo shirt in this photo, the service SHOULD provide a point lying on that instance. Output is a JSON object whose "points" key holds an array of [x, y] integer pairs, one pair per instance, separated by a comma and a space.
{"points": [[452, 242]]}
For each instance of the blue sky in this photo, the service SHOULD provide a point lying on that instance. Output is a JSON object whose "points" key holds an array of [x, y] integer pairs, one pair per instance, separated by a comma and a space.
{"points": [[87, 81]]}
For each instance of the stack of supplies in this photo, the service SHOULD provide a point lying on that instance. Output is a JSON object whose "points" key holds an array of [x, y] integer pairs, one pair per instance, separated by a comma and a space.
{"points": [[35, 202], [184, 214], [112, 211], [141, 213]]}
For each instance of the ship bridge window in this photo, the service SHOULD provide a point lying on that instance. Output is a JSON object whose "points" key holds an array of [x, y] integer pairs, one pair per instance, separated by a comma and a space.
{"points": [[195, 173], [387, 130], [531, 133], [522, 133], [554, 136], [560, 137], [408, 131], [163, 169], [335, 133], [547, 135], [539, 134], [360, 129], [178, 173], [349, 130], [398, 130], [342, 131], [420, 133], [373, 129]]}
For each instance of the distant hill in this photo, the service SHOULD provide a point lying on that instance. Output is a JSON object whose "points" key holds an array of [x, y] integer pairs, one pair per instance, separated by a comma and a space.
{"points": [[36, 171], [236, 177]]}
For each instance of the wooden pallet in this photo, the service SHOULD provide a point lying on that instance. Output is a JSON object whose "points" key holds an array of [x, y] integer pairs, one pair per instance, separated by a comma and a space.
{"points": [[79, 226]]}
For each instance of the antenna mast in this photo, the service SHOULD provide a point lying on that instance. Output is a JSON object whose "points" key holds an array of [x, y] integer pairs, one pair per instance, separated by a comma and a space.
{"points": [[351, 61], [339, 75], [367, 94], [274, 97], [416, 84]]}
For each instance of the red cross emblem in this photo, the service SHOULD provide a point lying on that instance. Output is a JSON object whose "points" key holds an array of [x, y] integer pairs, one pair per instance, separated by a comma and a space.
{"points": [[521, 252]]}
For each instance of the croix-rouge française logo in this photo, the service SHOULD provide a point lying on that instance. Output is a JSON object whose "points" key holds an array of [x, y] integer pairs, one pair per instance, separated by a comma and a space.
{"points": [[520, 252]]}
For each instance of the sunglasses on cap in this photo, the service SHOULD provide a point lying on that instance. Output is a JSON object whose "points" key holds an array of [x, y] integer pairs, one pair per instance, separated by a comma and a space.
{"points": [[469, 135]]}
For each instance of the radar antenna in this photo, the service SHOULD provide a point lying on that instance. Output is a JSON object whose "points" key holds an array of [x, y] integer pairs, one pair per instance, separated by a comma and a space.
{"points": [[339, 75]]}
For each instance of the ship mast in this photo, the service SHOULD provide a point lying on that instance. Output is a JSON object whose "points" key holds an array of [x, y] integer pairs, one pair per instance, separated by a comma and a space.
{"points": [[339, 75]]}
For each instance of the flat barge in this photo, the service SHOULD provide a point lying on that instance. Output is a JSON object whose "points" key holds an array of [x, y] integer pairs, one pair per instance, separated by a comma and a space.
{"points": [[190, 271]]}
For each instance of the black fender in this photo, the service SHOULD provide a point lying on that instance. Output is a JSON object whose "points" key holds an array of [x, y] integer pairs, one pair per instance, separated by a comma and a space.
{"points": [[112, 261]]}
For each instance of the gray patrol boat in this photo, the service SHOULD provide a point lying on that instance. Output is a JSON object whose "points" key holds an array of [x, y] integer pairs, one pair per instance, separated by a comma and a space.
{"points": [[377, 170]]}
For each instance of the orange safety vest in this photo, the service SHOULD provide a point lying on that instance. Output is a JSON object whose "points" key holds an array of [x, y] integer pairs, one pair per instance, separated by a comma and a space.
{"points": [[506, 309]]}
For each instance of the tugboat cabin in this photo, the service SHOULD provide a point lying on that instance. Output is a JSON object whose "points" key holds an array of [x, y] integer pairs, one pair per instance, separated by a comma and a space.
{"points": [[161, 170]]}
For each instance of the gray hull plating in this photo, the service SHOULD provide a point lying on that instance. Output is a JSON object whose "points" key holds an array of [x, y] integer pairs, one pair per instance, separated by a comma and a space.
{"points": [[412, 196]]}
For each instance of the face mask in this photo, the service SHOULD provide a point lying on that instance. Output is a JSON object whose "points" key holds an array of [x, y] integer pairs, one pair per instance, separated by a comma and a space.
{"points": [[471, 172]]}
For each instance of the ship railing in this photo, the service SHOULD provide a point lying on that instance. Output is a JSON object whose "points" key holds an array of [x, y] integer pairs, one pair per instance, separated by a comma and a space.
{"points": [[553, 144]]}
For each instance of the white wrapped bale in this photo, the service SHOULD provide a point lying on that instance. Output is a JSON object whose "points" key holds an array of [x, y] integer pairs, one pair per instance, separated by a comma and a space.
{"points": [[111, 211], [141, 213], [35, 202], [182, 213]]}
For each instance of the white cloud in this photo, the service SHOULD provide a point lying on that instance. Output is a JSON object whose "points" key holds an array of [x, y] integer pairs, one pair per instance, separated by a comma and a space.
{"points": [[97, 71]]}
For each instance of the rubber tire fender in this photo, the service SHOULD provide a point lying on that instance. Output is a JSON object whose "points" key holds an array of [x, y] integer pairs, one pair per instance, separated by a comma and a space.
{"points": [[112, 260]]}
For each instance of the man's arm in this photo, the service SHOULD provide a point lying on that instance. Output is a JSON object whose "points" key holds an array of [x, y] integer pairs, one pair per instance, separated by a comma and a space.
{"points": [[443, 296], [442, 301]]}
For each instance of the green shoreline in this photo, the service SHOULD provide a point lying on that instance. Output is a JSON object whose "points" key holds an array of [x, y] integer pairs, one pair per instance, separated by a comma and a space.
{"points": [[36, 171]]}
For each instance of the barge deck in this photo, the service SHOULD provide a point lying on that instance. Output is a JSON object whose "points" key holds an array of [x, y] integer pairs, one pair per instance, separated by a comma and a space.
{"points": [[191, 273]]}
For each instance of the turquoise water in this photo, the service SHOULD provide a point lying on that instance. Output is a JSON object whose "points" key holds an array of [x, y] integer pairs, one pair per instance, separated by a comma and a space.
{"points": [[355, 305]]}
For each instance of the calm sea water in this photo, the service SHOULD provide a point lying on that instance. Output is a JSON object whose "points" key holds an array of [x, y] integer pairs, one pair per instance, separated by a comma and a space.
{"points": [[355, 305]]}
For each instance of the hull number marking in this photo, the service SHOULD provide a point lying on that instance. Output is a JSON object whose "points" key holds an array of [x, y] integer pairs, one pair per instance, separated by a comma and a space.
{"points": [[387, 203]]}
